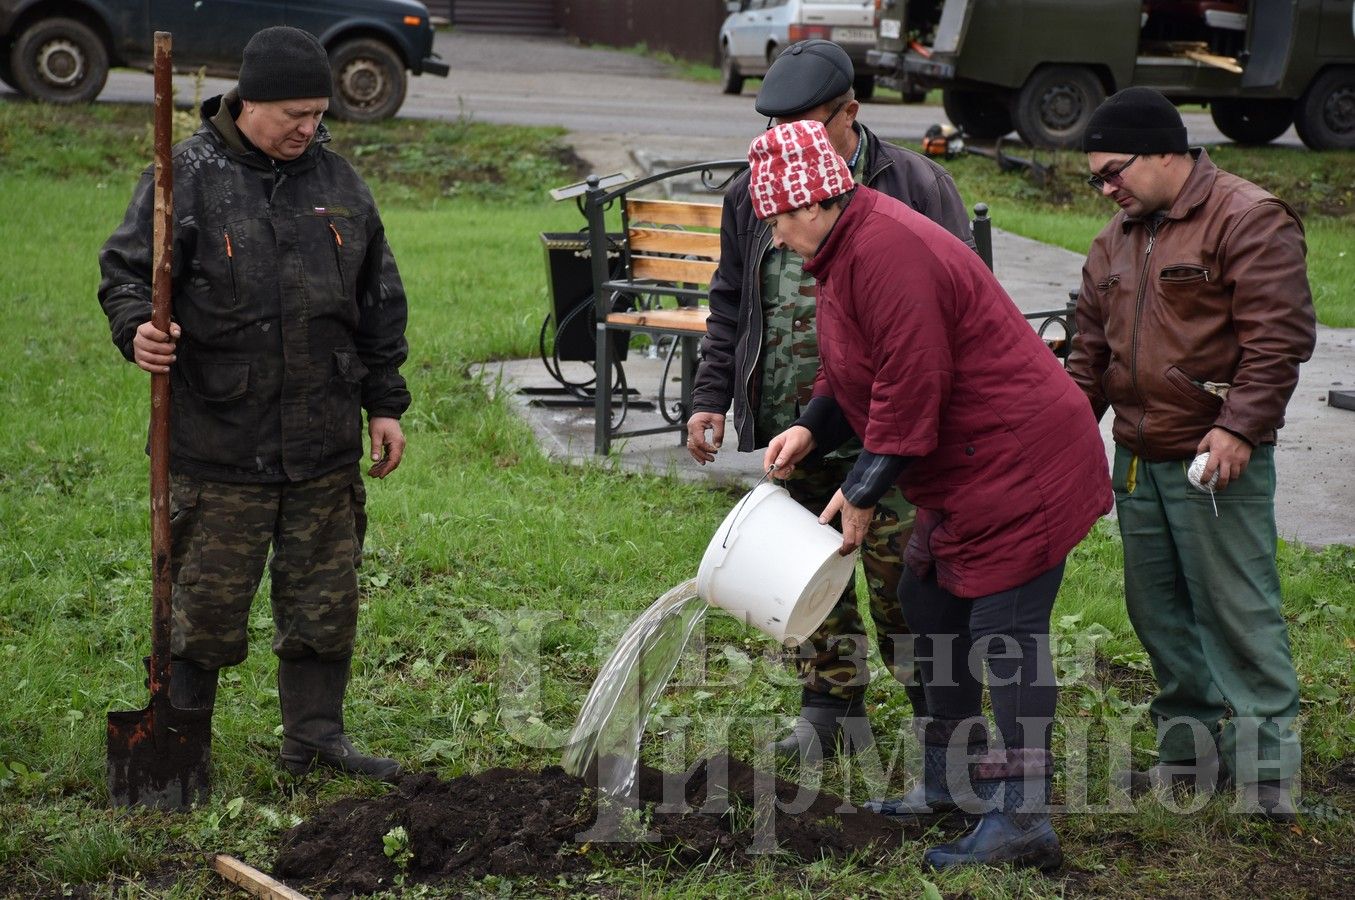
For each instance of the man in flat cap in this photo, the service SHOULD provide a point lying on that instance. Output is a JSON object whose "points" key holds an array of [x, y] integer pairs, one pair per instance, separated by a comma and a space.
{"points": [[289, 321], [761, 354], [1193, 318]]}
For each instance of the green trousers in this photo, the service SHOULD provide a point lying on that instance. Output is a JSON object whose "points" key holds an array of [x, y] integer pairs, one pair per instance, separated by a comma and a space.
{"points": [[1203, 594]]}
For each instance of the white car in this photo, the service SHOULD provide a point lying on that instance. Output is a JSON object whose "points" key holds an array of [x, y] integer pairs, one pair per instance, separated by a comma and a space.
{"points": [[756, 31]]}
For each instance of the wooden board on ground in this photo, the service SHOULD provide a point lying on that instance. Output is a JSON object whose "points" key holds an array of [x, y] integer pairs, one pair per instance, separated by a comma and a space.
{"points": [[252, 880]]}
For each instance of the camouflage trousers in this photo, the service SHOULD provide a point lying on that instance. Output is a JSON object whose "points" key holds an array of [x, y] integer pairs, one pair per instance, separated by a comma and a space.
{"points": [[833, 660], [222, 534]]}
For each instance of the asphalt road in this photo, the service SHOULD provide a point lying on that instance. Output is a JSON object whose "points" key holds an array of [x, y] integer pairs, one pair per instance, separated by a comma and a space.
{"points": [[610, 101]]}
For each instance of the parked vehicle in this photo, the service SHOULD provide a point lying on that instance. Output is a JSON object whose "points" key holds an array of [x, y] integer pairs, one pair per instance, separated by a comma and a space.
{"points": [[1042, 67], [60, 50], [756, 31]]}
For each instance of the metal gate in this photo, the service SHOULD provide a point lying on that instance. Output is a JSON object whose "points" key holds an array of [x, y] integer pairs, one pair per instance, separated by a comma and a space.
{"points": [[515, 16]]}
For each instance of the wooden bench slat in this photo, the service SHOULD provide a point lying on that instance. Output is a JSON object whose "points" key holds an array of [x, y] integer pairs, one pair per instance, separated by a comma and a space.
{"points": [[666, 240], [692, 271], [674, 212], [688, 318]]}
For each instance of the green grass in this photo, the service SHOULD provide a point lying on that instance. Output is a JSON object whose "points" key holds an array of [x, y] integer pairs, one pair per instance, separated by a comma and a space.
{"points": [[1063, 211], [680, 66], [478, 548]]}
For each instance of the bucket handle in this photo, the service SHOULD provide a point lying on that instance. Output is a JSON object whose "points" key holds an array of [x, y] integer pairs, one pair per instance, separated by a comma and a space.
{"points": [[733, 520]]}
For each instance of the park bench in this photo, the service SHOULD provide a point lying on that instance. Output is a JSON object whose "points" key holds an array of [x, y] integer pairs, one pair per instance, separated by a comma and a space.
{"points": [[652, 277]]}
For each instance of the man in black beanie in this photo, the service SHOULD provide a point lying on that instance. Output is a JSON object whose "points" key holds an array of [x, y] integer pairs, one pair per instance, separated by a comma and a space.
{"points": [[289, 321], [1193, 318]]}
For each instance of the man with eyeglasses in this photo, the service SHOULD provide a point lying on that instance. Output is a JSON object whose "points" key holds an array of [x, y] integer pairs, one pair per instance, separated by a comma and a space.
{"points": [[1193, 318], [761, 354]]}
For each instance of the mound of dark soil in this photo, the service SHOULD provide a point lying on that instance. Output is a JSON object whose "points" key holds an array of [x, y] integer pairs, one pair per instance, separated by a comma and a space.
{"points": [[514, 823]]}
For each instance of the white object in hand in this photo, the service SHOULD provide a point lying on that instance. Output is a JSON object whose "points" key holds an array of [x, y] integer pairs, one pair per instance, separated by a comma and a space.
{"points": [[1194, 475]]}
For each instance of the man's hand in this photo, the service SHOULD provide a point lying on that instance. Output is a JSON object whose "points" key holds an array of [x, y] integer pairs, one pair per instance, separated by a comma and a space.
{"points": [[388, 445], [152, 349], [697, 426], [788, 448], [855, 521], [1228, 455]]}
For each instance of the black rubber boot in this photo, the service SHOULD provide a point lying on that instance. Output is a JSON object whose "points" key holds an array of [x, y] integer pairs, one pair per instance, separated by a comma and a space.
{"points": [[827, 726], [1016, 832], [310, 692], [191, 686], [943, 789]]}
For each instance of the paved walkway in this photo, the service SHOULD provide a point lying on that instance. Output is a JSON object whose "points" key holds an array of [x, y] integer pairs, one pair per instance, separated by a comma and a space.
{"points": [[1316, 495]]}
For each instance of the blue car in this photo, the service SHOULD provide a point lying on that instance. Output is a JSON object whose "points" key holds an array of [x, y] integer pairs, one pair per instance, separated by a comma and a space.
{"points": [[60, 51]]}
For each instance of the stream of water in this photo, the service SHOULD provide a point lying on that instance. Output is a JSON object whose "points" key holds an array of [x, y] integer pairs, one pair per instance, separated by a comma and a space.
{"points": [[612, 721]]}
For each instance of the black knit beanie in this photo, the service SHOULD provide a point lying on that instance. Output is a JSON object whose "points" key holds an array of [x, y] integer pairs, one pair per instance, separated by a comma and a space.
{"points": [[1135, 120], [285, 63]]}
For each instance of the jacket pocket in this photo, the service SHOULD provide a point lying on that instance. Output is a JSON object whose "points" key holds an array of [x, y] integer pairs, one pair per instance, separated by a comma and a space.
{"points": [[1191, 390], [1184, 274], [343, 406], [218, 382], [1108, 282]]}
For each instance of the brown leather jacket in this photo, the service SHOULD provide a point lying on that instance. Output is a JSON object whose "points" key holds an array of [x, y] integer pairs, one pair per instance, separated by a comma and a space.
{"points": [[1211, 300]]}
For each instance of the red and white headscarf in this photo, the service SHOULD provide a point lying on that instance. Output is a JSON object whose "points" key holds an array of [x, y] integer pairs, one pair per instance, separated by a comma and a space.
{"points": [[792, 166]]}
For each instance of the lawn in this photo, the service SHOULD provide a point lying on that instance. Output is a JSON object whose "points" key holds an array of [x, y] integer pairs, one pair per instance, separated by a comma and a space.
{"points": [[477, 541]]}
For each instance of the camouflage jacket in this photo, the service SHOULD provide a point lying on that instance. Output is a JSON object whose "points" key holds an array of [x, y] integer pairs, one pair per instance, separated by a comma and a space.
{"points": [[734, 342], [292, 310]]}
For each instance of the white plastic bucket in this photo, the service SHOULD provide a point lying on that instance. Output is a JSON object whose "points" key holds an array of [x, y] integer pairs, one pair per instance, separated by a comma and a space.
{"points": [[774, 566]]}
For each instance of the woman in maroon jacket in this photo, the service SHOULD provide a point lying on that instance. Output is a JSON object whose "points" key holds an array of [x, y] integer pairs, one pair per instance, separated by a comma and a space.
{"points": [[927, 360]]}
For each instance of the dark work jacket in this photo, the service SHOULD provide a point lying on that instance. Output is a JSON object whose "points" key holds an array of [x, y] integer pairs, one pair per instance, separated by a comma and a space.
{"points": [[292, 309], [731, 351], [927, 357]]}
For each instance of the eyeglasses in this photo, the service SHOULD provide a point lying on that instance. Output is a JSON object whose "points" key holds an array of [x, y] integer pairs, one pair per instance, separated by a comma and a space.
{"points": [[1114, 179], [832, 114]]}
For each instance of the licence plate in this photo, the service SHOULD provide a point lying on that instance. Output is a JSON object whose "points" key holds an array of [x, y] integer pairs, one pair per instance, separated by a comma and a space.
{"points": [[889, 28], [854, 35]]}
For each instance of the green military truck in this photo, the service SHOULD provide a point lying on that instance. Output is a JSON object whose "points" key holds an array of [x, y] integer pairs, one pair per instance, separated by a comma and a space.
{"points": [[1042, 66]]}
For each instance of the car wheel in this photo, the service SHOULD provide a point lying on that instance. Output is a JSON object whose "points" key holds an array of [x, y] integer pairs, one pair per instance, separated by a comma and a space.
{"points": [[864, 85], [1325, 116], [1252, 121], [369, 81], [1054, 106], [731, 82], [59, 61], [978, 114]]}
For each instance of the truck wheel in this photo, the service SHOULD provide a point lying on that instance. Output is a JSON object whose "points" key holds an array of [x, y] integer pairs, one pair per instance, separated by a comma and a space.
{"points": [[864, 85], [1055, 104], [1252, 121], [1325, 116], [59, 61], [369, 81], [6, 73], [978, 114], [731, 82]]}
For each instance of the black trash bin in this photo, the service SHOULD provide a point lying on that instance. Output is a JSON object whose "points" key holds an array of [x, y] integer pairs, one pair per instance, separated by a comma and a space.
{"points": [[569, 280]]}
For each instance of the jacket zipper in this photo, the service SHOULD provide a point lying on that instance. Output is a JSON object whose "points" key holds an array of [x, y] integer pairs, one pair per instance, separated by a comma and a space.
{"points": [[755, 309], [1138, 314], [338, 249], [230, 266]]}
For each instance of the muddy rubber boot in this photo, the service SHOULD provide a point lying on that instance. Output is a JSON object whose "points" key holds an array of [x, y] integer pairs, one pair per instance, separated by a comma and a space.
{"points": [[1016, 832], [943, 789], [310, 692], [191, 686], [1201, 775], [1272, 800], [826, 727]]}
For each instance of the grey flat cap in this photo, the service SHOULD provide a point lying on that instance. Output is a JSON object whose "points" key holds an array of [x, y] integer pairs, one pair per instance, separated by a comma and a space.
{"points": [[805, 75]]}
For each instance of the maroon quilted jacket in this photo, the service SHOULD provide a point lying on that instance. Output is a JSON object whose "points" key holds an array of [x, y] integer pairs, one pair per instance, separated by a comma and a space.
{"points": [[928, 357]]}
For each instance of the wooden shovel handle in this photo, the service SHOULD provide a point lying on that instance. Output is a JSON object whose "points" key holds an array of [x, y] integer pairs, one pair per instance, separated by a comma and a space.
{"points": [[162, 266]]}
